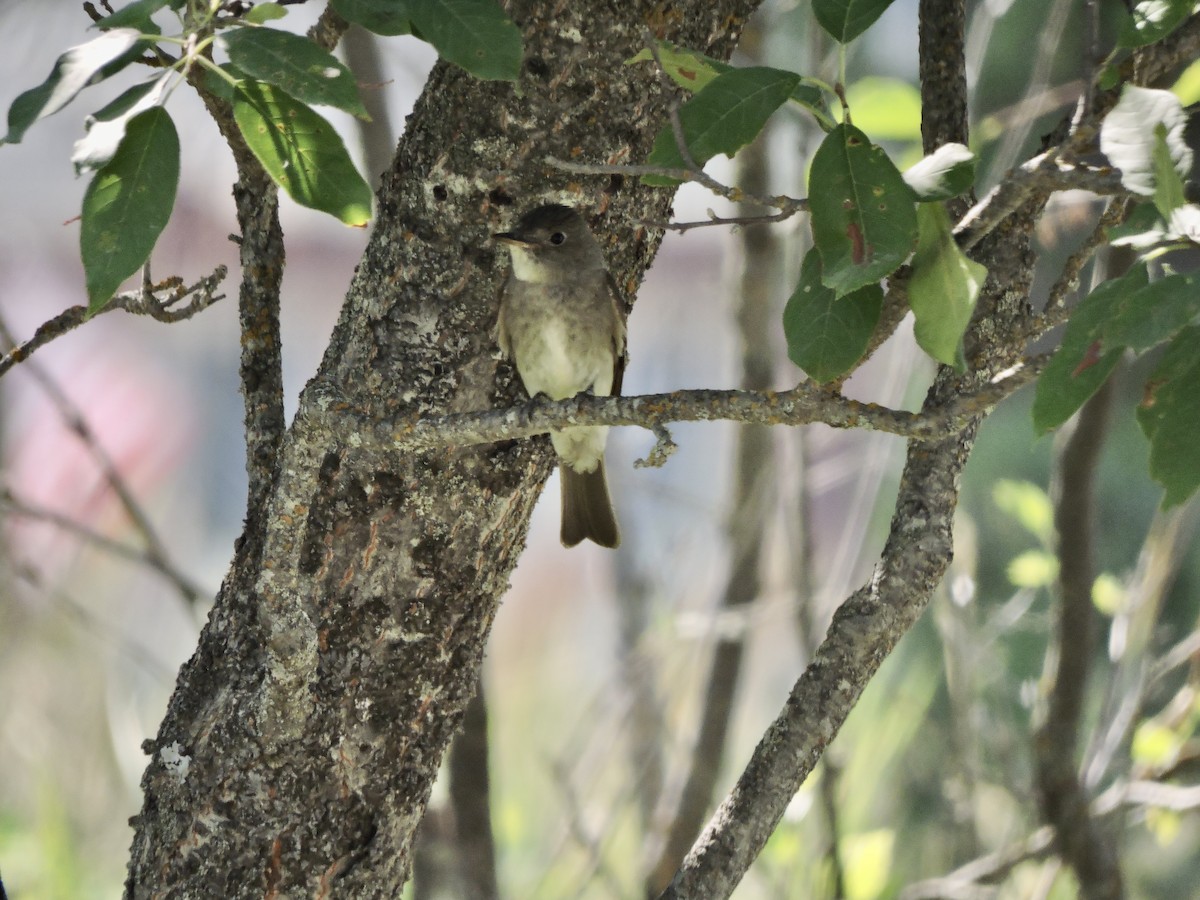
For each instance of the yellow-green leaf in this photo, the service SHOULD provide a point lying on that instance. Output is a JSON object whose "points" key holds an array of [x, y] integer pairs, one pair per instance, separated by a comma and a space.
{"points": [[301, 152], [1028, 504], [689, 69], [868, 862], [1155, 745], [888, 109], [1108, 594], [943, 288], [1033, 569]]}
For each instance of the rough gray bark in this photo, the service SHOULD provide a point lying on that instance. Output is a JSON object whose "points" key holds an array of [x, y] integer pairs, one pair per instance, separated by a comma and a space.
{"points": [[298, 751], [261, 369]]}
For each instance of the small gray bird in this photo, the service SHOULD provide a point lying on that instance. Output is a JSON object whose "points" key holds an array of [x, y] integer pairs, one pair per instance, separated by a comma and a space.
{"points": [[562, 324]]}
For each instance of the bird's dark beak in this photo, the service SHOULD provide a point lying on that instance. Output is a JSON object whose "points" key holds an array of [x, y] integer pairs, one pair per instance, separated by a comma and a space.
{"points": [[507, 237]]}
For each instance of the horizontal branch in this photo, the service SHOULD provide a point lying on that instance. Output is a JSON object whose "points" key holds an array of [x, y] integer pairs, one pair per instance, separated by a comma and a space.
{"points": [[972, 877], [788, 206], [1042, 175], [803, 405], [156, 301]]}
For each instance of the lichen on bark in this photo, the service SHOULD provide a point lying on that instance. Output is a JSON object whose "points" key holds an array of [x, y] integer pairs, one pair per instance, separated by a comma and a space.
{"points": [[346, 639]]}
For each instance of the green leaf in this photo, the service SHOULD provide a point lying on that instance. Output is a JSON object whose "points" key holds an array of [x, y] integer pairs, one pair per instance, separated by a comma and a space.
{"points": [[73, 71], [946, 172], [1168, 186], [869, 859], [1110, 77], [106, 127], [1187, 86], [1145, 318], [474, 34], [387, 17], [264, 12], [1129, 136], [689, 69], [847, 19], [296, 65], [813, 99], [864, 220], [135, 15], [943, 288], [1153, 20], [1155, 745], [1170, 417], [724, 117], [1028, 504], [827, 334], [888, 109], [1081, 365], [128, 203], [222, 87], [1033, 569], [301, 152], [1108, 595], [693, 71]]}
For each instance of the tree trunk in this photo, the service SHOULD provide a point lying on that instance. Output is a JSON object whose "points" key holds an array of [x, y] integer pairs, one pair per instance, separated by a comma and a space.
{"points": [[298, 751]]}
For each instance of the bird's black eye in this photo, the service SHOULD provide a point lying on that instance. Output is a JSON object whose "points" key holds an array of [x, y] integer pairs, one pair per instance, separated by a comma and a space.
{"points": [[558, 238]]}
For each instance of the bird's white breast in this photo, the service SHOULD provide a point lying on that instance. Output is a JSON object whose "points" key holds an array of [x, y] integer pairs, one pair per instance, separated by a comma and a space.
{"points": [[527, 267]]}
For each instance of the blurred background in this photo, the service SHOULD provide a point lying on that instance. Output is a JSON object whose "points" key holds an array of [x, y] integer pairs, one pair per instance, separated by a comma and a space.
{"points": [[601, 664]]}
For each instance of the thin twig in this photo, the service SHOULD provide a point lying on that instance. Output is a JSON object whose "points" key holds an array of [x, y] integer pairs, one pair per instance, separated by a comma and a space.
{"points": [[1182, 653], [1042, 175], [15, 506], [664, 448], [591, 844], [993, 867], [790, 205], [74, 419], [94, 624], [737, 221], [261, 254], [1134, 631], [1068, 279], [156, 303]]}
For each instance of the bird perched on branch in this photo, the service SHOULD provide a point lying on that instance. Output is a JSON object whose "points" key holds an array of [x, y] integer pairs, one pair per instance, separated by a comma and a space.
{"points": [[563, 326]]}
